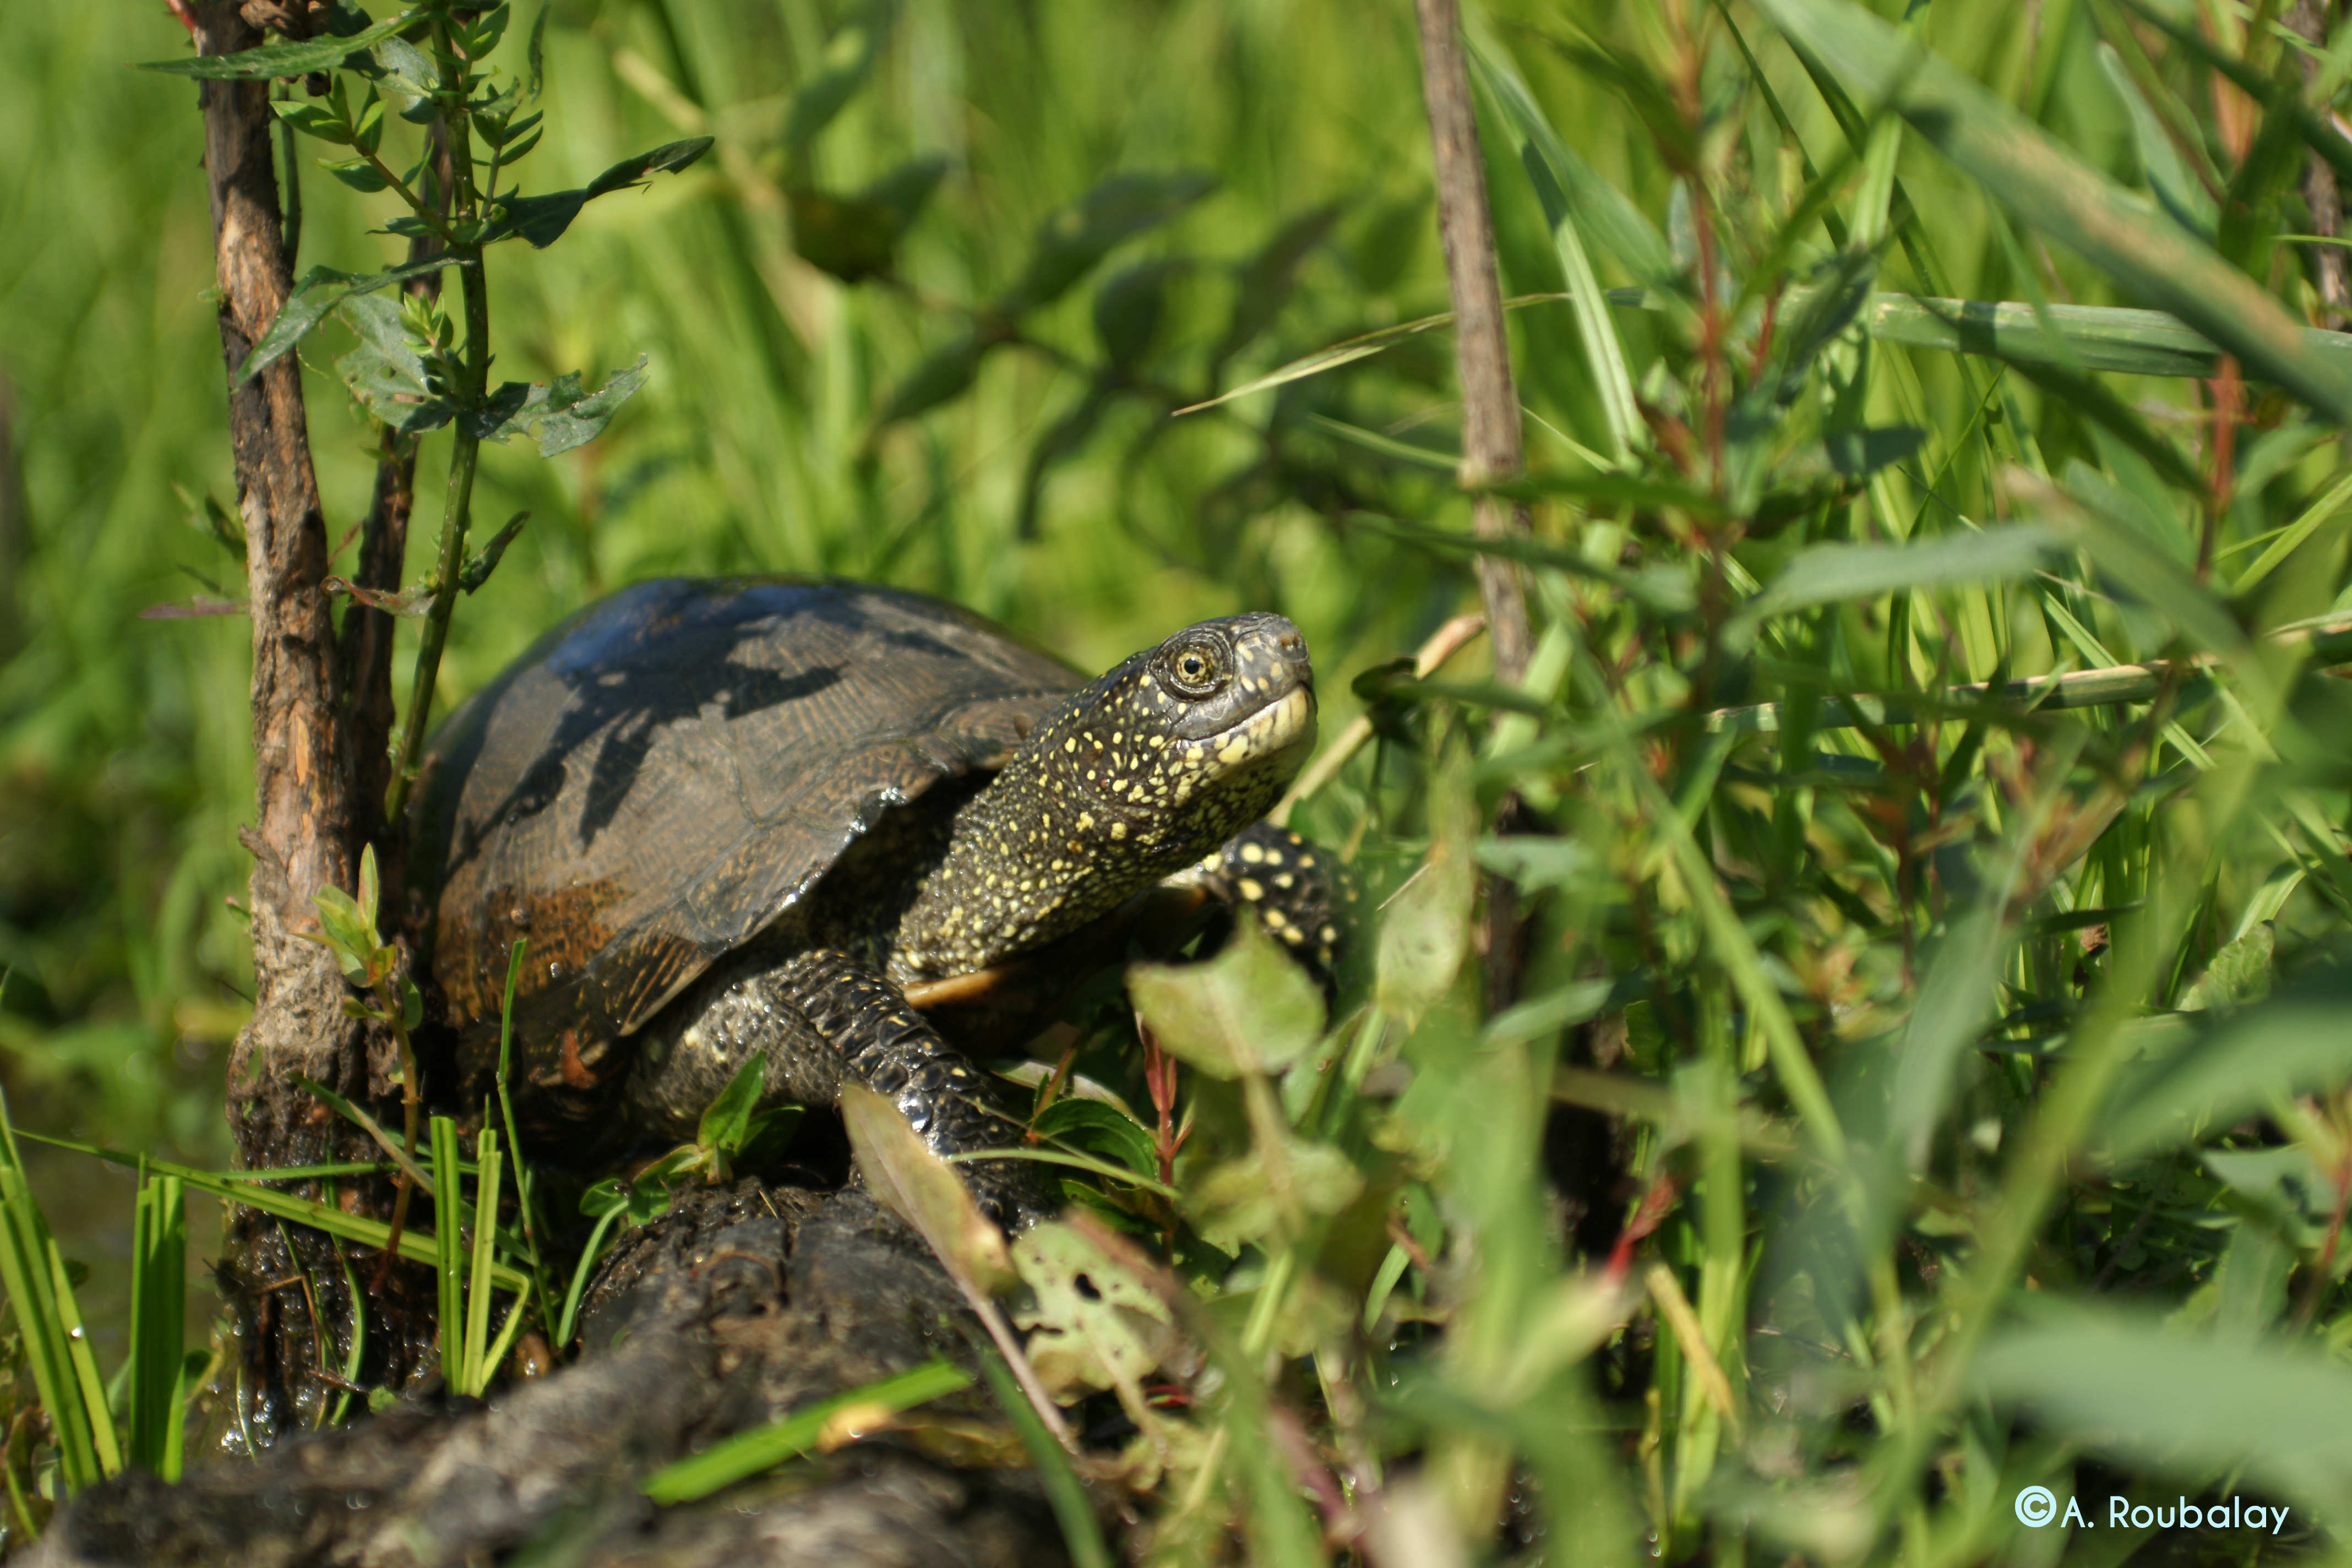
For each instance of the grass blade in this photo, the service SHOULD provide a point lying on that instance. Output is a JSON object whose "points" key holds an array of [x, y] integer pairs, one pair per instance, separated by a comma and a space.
{"points": [[239, 1188], [1065, 1493], [478, 1303], [2290, 538], [158, 1311], [1551, 168], [2053, 189], [588, 1256], [449, 1253], [748, 1453], [98, 1410]]}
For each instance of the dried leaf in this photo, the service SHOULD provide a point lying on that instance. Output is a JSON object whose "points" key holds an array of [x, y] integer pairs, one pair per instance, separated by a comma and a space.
{"points": [[924, 1190]]}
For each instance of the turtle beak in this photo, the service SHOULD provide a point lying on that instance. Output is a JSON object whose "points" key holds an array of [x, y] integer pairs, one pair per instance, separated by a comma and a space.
{"points": [[1270, 657]]}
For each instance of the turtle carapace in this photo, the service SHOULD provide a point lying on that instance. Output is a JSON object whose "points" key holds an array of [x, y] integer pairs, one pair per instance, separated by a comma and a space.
{"points": [[740, 815]]}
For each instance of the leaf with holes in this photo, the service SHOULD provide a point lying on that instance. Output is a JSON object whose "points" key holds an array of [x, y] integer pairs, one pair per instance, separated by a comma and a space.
{"points": [[1094, 1325]]}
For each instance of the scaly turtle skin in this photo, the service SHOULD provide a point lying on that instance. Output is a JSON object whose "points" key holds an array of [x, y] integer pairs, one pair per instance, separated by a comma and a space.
{"points": [[736, 816]]}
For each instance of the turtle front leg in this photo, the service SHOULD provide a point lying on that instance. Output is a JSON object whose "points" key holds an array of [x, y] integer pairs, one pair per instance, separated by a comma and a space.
{"points": [[1298, 889], [822, 1017]]}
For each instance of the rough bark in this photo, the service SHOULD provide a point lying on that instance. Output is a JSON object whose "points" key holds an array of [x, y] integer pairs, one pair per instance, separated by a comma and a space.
{"points": [[306, 831], [303, 837], [1491, 444], [738, 1308]]}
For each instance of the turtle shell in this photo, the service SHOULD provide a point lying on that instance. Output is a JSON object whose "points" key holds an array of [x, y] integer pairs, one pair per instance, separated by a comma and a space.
{"points": [[668, 771]]}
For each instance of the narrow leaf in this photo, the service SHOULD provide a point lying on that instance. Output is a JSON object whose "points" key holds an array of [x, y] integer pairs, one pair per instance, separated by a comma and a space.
{"points": [[2053, 189], [322, 289], [284, 58]]}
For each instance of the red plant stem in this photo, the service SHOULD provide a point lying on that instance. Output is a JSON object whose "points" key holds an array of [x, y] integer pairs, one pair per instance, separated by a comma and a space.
{"points": [[2226, 390], [1656, 1204]]}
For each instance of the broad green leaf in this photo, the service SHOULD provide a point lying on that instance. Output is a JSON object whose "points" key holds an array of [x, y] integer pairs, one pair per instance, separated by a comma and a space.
{"points": [[313, 120], [564, 413], [1129, 308], [401, 66], [1072, 241], [945, 374], [322, 289], [359, 174], [1826, 574], [2192, 1404], [542, 219], [347, 934], [769, 1134], [385, 373], [2239, 972], [729, 1117], [848, 60], [1091, 1125], [1959, 998], [1536, 862], [852, 237], [1253, 1198], [1250, 1009], [282, 59], [1425, 929], [1541, 1016], [2055, 191], [2298, 1042]]}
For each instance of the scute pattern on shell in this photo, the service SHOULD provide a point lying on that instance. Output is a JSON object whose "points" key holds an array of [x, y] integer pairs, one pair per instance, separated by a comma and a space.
{"points": [[669, 769]]}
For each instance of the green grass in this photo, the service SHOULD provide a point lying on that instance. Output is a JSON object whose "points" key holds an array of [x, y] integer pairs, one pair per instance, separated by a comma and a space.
{"points": [[1970, 1062]]}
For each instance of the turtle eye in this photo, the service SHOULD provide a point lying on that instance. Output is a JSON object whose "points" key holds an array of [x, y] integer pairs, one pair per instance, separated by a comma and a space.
{"points": [[1198, 666]]}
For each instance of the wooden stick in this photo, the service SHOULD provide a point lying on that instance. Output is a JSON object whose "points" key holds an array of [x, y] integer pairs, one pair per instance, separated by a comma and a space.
{"points": [[301, 754], [1491, 447], [1443, 644]]}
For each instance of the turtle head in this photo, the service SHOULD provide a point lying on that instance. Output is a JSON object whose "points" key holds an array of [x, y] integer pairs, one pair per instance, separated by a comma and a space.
{"points": [[1186, 743], [1143, 772]]}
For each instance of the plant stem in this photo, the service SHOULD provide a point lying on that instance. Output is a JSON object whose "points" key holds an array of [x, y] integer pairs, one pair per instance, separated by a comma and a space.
{"points": [[473, 287], [411, 1102]]}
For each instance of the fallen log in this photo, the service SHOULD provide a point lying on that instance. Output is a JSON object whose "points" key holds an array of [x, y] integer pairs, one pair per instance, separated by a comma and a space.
{"points": [[740, 1306]]}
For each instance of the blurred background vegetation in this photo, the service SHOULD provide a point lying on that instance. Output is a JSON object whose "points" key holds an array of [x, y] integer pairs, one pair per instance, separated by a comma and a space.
{"points": [[948, 421]]}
